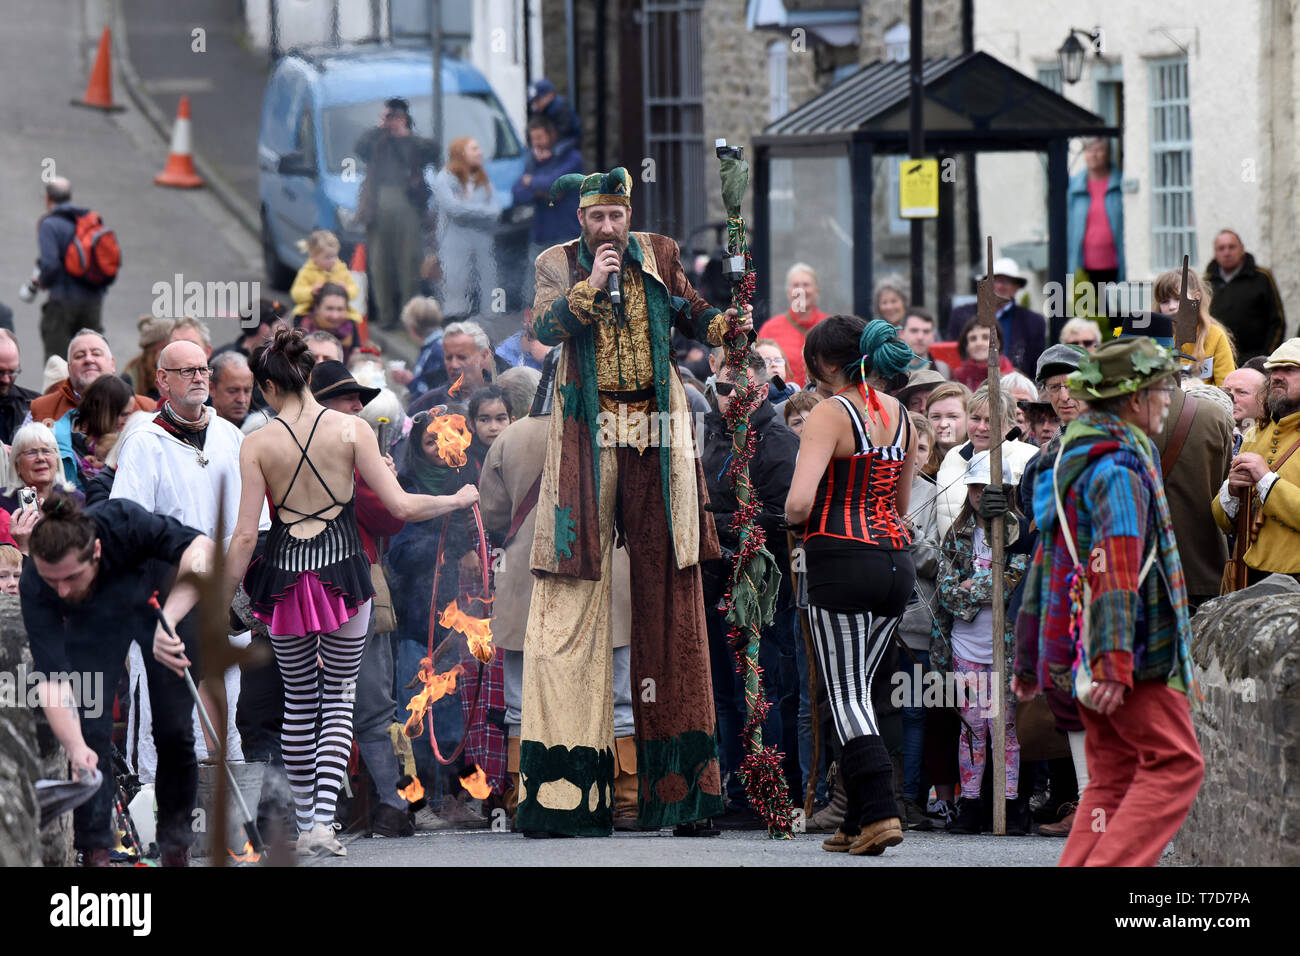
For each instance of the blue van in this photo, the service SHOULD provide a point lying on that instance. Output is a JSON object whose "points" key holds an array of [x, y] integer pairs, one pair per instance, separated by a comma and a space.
{"points": [[318, 103]]}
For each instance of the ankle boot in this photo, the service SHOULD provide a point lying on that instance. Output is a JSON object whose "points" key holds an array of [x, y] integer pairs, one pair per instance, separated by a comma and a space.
{"points": [[829, 818], [876, 837], [625, 783], [869, 778], [970, 816]]}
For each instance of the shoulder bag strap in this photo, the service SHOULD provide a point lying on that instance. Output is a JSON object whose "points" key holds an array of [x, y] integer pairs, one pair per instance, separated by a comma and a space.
{"points": [[1065, 528], [525, 508], [1179, 436]]}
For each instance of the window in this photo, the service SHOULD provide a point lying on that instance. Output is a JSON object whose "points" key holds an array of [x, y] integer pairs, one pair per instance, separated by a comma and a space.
{"points": [[1050, 77], [898, 43], [778, 74], [673, 81], [898, 226], [464, 114], [1173, 232], [305, 136]]}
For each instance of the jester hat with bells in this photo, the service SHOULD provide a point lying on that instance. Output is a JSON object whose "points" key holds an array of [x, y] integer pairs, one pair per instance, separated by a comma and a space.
{"points": [[613, 188]]}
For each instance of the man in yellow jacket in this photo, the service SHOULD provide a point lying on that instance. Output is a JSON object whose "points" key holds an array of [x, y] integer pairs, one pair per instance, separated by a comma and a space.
{"points": [[1269, 473]]}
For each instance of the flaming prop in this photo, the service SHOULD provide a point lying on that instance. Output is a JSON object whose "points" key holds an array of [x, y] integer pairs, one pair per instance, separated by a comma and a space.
{"points": [[413, 792], [477, 631], [455, 388], [476, 783], [247, 855], [436, 686], [453, 438]]}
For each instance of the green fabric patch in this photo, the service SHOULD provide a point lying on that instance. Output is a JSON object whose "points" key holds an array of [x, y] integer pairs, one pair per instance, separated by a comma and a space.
{"points": [[564, 531], [683, 757], [571, 395], [584, 767]]}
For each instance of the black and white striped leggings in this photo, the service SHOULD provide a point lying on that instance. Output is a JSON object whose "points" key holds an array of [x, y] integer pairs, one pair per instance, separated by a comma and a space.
{"points": [[856, 598], [316, 762]]}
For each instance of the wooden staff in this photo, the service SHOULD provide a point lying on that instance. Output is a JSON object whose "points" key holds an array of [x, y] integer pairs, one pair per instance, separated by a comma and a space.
{"points": [[810, 786], [987, 310]]}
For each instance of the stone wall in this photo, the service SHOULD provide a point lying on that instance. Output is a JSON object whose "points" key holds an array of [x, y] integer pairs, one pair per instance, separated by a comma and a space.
{"points": [[28, 752], [1247, 651], [737, 85], [593, 92]]}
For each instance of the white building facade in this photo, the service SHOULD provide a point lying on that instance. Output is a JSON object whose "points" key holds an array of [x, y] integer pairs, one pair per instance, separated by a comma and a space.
{"points": [[1204, 93]]}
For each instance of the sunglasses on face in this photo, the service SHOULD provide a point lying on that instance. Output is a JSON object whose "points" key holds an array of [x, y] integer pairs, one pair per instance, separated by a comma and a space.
{"points": [[724, 388]]}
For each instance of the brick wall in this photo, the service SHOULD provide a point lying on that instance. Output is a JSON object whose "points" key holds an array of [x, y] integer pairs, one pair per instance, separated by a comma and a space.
{"points": [[1247, 651]]}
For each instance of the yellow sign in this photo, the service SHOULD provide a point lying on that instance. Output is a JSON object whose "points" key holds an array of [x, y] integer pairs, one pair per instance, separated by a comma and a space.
{"points": [[918, 188]]}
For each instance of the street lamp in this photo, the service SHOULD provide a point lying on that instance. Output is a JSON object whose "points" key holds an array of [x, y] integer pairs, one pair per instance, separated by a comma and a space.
{"points": [[1072, 53]]}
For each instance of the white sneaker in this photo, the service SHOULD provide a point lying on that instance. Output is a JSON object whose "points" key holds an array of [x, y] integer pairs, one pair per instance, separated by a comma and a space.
{"points": [[319, 841]]}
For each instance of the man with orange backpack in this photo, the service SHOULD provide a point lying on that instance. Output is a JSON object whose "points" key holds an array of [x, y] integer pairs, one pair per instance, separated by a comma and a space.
{"points": [[79, 259]]}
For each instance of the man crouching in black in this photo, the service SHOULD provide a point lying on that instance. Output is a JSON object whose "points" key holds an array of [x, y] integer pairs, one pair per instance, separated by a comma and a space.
{"points": [[85, 596]]}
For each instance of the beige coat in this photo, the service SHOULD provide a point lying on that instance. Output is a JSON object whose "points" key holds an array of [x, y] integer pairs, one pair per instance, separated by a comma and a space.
{"points": [[512, 465]]}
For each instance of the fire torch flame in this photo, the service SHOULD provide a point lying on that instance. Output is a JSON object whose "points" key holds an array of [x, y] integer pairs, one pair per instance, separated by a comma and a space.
{"points": [[456, 386], [436, 686], [413, 791], [452, 437], [246, 855], [476, 783], [477, 631]]}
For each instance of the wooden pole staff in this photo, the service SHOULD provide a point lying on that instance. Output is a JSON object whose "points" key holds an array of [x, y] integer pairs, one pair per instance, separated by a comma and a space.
{"points": [[988, 307]]}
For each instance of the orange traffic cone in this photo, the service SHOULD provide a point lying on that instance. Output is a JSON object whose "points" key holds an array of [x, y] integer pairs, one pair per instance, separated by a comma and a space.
{"points": [[179, 170], [99, 91]]}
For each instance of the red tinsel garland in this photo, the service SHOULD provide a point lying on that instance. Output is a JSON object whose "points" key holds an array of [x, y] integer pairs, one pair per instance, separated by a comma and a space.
{"points": [[761, 769]]}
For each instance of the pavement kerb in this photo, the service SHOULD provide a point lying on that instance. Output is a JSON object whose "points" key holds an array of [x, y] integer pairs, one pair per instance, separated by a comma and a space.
{"points": [[244, 214]]}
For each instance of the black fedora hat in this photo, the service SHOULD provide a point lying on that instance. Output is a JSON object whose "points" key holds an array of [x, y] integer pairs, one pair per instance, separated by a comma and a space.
{"points": [[331, 379]]}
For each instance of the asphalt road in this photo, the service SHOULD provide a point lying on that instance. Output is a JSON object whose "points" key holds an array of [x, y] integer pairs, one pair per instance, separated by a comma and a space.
{"points": [[111, 160], [225, 83], [488, 848]]}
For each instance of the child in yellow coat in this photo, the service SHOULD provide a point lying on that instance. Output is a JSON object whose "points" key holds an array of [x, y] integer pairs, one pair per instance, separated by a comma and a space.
{"points": [[1212, 349], [323, 265]]}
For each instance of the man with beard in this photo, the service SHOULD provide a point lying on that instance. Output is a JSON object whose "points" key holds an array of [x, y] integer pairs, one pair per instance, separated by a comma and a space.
{"points": [[183, 464], [88, 358], [1267, 473], [1108, 548], [85, 596], [14, 399], [601, 475]]}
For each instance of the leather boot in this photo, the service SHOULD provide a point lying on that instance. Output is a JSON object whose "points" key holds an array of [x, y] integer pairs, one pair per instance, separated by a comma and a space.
{"points": [[876, 837], [512, 768], [829, 817], [625, 783]]}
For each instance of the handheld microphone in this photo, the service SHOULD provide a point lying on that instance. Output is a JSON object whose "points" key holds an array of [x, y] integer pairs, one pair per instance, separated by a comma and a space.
{"points": [[615, 294], [1014, 434]]}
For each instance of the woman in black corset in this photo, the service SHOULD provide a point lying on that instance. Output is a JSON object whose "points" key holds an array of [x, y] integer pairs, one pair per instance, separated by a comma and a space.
{"points": [[312, 584], [851, 483]]}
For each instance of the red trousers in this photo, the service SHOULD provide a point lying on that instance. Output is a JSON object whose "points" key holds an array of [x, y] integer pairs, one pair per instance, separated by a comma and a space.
{"points": [[1144, 769]]}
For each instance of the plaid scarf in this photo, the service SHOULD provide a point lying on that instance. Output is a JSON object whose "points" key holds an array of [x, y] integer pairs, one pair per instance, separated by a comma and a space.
{"points": [[192, 433], [1107, 475]]}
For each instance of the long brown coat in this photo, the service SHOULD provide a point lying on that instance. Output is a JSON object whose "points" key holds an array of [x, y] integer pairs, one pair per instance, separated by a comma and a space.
{"points": [[1192, 483], [513, 463]]}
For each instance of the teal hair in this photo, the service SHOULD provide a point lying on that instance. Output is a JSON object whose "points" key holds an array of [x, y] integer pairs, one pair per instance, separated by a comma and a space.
{"points": [[883, 352]]}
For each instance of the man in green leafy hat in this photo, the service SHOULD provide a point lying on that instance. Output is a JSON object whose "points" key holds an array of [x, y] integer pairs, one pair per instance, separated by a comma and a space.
{"points": [[621, 462], [1107, 568]]}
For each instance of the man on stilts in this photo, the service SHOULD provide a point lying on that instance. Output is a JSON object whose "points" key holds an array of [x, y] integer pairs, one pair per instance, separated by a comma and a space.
{"points": [[620, 461]]}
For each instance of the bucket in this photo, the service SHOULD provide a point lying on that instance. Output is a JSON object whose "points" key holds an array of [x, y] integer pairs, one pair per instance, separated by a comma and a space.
{"points": [[249, 778]]}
